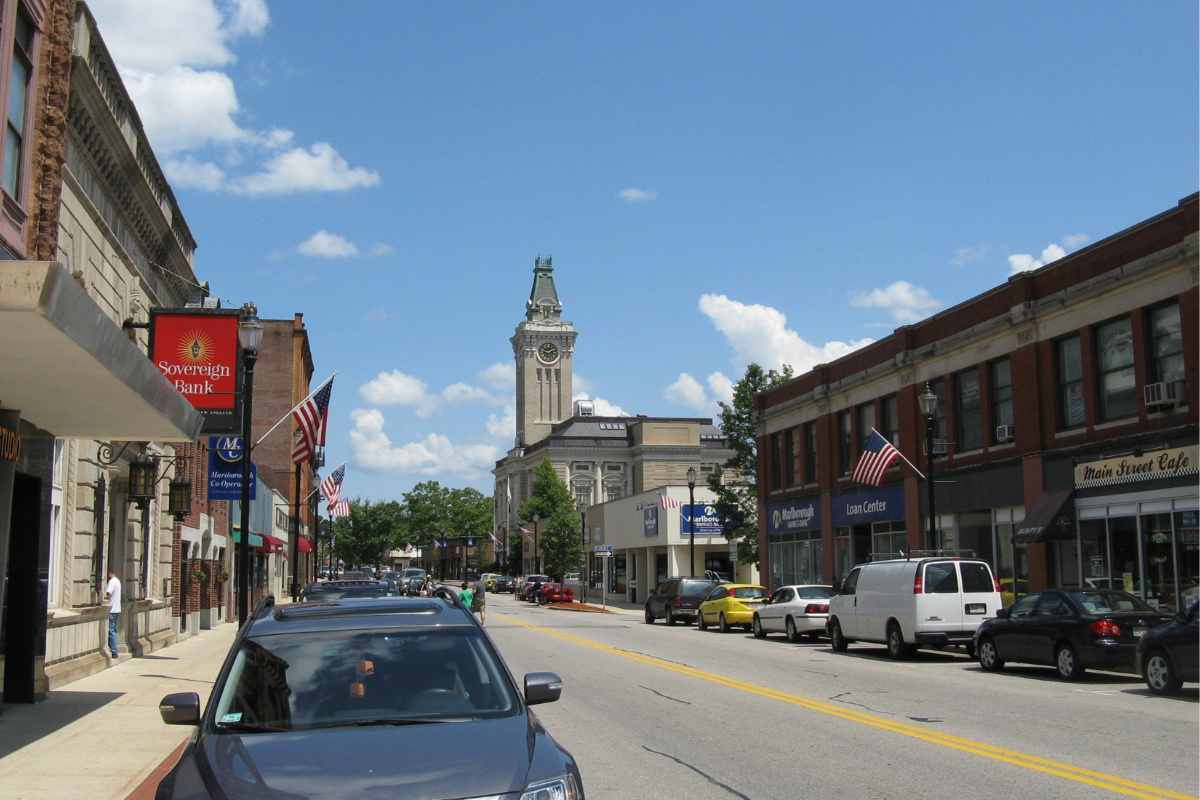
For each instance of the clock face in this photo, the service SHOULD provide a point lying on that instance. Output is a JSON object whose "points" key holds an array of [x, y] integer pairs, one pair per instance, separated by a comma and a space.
{"points": [[548, 353]]}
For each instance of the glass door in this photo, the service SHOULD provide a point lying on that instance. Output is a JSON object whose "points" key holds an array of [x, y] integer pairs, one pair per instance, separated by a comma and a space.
{"points": [[1126, 567], [1093, 554], [1158, 558], [1187, 557], [843, 558]]}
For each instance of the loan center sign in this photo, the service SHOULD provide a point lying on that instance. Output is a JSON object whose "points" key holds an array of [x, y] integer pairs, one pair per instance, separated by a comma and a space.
{"points": [[1171, 463], [197, 351]]}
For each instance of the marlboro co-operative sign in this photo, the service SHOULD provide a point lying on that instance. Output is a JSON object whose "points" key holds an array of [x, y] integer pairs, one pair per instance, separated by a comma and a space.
{"points": [[197, 351]]}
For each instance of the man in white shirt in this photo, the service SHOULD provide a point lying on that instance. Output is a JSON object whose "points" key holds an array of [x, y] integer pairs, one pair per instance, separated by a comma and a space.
{"points": [[112, 594]]}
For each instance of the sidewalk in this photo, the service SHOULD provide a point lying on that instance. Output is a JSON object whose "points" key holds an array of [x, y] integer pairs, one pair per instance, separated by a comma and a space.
{"points": [[99, 737]]}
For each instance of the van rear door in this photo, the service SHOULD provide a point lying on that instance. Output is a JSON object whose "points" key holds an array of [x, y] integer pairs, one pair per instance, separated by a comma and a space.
{"points": [[939, 606], [980, 600]]}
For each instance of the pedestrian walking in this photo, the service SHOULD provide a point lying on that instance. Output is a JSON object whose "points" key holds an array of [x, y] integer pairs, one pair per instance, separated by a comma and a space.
{"points": [[479, 600], [112, 595], [466, 596]]}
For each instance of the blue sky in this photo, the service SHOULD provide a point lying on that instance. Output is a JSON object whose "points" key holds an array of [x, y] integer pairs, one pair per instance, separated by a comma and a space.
{"points": [[716, 183]]}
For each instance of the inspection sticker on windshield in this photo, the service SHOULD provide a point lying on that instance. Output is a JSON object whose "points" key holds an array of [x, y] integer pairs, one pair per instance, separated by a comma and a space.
{"points": [[233, 716]]}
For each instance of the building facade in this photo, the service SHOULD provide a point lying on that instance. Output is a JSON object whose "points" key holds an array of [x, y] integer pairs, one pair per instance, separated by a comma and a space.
{"points": [[1066, 430]]}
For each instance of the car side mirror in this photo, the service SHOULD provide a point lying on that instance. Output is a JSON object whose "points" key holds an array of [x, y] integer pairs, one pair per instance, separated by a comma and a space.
{"points": [[1003, 613], [542, 687], [181, 708]]}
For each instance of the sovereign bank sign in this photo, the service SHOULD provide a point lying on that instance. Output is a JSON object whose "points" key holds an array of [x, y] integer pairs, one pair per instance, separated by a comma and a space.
{"points": [[197, 352]]}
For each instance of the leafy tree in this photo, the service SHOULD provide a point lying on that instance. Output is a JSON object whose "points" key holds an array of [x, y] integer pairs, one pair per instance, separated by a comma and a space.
{"points": [[736, 486], [370, 532], [551, 504], [428, 505]]}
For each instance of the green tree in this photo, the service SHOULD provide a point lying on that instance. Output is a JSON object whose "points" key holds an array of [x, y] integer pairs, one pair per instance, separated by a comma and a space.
{"points": [[370, 532], [428, 510], [551, 504], [736, 485]]}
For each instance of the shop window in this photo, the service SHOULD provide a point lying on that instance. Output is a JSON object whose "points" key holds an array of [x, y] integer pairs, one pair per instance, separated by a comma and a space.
{"points": [[789, 459], [1071, 412], [845, 443], [974, 533], [776, 476], [866, 422], [889, 420], [968, 411], [887, 539], [939, 417], [810, 452], [1002, 396], [1166, 345], [1117, 384], [1012, 562]]}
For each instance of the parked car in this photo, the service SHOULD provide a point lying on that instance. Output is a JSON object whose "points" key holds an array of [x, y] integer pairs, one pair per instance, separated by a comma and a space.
{"points": [[1071, 630], [1169, 654], [794, 610], [529, 588], [503, 583], [555, 592], [730, 604], [410, 580], [344, 689], [677, 599], [911, 603]]}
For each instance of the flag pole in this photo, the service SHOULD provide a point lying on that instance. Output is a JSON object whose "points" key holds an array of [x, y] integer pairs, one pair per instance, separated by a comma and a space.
{"points": [[906, 461], [280, 421]]}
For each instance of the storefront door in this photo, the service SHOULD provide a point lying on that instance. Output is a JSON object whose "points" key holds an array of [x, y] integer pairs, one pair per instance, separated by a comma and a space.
{"points": [[1123, 539], [1158, 559]]}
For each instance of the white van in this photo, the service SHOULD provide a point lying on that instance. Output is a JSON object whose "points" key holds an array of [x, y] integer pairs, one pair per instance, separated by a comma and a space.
{"points": [[911, 603]]}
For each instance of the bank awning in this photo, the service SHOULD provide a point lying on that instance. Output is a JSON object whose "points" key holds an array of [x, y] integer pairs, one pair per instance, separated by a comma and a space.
{"points": [[304, 544], [72, 371], [1039, 524], [255, 539]]}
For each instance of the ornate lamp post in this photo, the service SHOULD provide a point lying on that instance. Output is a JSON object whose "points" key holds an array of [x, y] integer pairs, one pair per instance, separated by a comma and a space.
{"points": [[929, 406], [691, 518], [250, 332]]}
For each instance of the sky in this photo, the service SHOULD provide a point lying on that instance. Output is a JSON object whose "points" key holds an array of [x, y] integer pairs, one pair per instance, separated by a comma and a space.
{"points": [[716, 183]]}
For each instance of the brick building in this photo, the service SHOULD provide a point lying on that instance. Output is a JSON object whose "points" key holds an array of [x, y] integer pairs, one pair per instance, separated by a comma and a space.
{"points": [[1066, 429]]}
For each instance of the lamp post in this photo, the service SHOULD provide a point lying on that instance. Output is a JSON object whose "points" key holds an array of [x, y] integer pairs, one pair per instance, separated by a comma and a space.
{"points": [[537, 554], [250, 333], [929, 405], [691, 518], [584, 575]]}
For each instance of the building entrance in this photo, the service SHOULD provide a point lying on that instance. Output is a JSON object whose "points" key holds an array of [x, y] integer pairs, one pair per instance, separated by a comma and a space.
{"points": [[25, 601]]}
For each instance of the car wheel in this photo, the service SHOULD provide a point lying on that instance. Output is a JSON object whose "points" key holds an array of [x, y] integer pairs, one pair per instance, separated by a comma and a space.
{"points": [[790, 627], [759, 633], [1066, 660], [896, 647], [1160, 675], [670, 618], [724, 626], [649, 616], [700, 623], [989, 656], [837, 639]]}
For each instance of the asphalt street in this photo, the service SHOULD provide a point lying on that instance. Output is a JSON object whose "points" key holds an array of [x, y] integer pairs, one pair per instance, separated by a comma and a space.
{"points": [[654, 711]]}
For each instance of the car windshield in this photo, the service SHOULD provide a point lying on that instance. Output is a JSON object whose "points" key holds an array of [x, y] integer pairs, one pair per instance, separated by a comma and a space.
{"points": [[749, 593], [695, 588], [1108, 602], [414, 573], [303, 681], [814, 592]]}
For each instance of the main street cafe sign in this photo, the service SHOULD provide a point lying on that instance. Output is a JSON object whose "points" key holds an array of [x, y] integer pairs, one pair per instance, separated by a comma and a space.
{"points": [[197, 351], [1175, 462]]}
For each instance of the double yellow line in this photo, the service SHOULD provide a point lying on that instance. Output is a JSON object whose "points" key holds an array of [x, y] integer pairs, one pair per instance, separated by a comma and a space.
{"points": [[1099, 780]]}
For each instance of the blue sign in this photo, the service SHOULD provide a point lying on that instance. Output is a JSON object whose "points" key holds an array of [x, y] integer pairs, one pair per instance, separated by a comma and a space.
{"points": [[650, 521], [870, 505], [794, 516], [225, 469], [700, 517]]}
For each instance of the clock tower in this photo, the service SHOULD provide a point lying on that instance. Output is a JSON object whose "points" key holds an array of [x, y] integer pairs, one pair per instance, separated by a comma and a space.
{"points": [[544, 348]]}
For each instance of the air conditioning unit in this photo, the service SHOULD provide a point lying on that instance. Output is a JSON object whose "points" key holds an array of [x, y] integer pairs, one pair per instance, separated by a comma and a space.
{"points": [[585, 408], [1165, 394], [1005, 433]]}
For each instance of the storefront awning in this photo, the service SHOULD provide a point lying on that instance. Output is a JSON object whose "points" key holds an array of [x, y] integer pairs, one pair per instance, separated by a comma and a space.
{"points": [[70, 370], [1040, 523], [304, 544], [255, 539], [272, 544]]}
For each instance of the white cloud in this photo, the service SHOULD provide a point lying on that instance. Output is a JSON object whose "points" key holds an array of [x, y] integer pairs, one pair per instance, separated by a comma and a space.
{"points": [[501, 376], [184, 108], [318, 168], [905, 302], [580, 383], [324, 244], [721, 386], [503, 426], [141, 37], [465, 393], [635, 195], [604, 408], [395, 388], [249, 17], [276, 138], [372, 451], [1023, 262], [760, 334], [687, 391], [189, 173], [969, 254]]}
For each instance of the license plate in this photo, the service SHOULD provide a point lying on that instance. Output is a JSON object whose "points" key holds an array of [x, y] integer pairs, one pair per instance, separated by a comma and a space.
{"points": [[1137, 632], [976, 608]]}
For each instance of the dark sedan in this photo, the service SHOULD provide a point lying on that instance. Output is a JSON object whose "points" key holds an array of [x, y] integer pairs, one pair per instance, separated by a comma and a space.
{"points": [[404, 697], [677, 599], [504, 583], [1168, 655], [1070, 630]]}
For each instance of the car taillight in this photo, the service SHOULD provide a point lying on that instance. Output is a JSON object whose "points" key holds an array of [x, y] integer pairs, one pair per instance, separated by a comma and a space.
{"points": [[1106, 629], [996, 584], [918, 584], [816, 608]]}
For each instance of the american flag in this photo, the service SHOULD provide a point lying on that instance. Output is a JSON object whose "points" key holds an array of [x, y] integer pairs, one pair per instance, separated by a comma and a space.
{"points": [[331, 487], [312, 417], [668, 502], [876, 457], [339, 509]]}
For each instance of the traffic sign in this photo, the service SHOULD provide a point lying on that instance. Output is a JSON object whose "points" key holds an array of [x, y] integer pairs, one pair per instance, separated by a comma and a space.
{"points": [[602, 549]]}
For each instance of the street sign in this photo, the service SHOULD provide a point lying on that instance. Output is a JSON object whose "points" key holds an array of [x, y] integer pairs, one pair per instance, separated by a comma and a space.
{"points": [[225, 469], [602, 550], [733, 550]]}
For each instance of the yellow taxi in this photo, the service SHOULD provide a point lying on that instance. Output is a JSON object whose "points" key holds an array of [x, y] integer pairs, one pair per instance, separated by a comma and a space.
{"points": [[731, 604]]}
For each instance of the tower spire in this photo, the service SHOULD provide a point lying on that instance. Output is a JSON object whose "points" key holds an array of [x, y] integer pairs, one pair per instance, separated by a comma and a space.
{"points": [[543, 300]]}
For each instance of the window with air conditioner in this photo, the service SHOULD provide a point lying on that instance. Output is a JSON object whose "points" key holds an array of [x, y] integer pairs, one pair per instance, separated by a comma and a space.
{"points": [[1002, 401], [1117, 384], [1166, 373]]}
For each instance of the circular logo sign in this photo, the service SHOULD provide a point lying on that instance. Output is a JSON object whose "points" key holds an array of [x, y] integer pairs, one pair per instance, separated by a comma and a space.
{"points": [[229, 449]]}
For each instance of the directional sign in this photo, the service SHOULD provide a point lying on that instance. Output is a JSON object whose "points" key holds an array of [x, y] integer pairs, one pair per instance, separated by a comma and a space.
{"points": [[602, 549]]}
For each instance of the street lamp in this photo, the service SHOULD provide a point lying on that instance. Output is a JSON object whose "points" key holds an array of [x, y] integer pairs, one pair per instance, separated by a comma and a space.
{"points": [[691, 518], [537, 555], [929, 406], [250, 332]]}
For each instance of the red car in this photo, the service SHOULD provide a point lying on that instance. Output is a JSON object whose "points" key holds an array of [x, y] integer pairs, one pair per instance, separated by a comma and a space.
{"points": [[555, 593]]}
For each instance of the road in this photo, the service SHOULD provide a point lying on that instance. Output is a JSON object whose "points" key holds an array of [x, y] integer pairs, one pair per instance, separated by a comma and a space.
{"points": [[651, 712]]}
